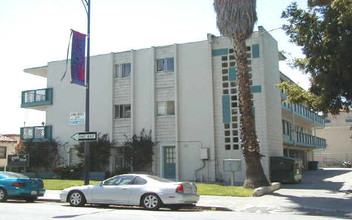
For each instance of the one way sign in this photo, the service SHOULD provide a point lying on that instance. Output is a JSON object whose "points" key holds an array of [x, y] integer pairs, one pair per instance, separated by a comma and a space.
{"points": [[85, 136]]}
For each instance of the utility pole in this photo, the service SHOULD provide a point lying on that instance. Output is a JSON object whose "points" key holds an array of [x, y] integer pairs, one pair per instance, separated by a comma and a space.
{"points": [[86, 145]]}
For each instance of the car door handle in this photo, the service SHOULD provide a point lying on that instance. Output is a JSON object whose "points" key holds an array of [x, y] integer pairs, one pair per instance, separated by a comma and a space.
{"points": [[124, 188]]}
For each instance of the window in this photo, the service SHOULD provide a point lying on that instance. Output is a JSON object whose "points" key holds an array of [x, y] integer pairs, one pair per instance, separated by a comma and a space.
{"points": [[119, 180], [123, 70], [139, 181], [2, 152], [165, 65], [166, 108], [122, 111]]}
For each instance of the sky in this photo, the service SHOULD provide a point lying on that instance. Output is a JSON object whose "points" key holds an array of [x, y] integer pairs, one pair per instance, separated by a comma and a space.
{"points": [[36, 32]]}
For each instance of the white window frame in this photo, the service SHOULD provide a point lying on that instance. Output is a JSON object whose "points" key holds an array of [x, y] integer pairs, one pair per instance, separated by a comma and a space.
{"points": [[165, 108], [122, 111], [122, 70], [165, 65]]}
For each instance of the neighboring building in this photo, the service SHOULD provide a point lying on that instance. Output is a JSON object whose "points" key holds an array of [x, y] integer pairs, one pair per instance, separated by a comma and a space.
{"points": [[8, 143], [299, 126], [186, 94], [338, 135]]}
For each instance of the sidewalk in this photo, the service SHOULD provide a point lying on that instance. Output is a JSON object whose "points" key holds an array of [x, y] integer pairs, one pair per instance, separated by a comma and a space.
{"points": [[326, 192]]}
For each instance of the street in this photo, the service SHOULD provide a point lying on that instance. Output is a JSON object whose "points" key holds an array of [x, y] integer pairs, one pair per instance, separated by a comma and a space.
{"points": [[324, 192], [50, 210]]}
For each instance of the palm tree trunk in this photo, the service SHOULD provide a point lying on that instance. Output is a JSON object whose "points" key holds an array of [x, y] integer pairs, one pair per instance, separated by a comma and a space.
{"points": [[255, 176]]}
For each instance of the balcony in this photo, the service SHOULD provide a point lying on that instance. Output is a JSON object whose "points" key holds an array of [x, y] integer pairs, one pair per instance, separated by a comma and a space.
{"points": [[36, 134], [304, 113], [305, 140], [37, 99]]}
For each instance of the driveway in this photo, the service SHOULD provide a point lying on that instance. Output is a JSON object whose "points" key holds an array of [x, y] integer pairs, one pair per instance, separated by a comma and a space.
{"points": [[324, 192]]}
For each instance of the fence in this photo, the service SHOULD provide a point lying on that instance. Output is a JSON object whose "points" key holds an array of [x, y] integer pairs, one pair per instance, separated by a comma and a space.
{"points": [[332, 159]]}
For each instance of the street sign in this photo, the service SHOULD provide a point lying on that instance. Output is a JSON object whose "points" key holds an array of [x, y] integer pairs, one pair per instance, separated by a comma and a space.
{"points": [[85, 136]]}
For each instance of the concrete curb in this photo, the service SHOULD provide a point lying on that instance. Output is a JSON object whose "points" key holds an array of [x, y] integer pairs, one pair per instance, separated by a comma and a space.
{"points": [[48, 200], [266, 189], [210, 208]]}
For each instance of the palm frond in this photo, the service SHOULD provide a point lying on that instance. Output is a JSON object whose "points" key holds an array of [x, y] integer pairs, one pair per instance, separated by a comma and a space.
{"points": [[235, 17]]}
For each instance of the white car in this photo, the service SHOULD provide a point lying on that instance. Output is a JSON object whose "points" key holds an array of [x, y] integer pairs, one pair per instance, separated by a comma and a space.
{"points": [[150, 192]]}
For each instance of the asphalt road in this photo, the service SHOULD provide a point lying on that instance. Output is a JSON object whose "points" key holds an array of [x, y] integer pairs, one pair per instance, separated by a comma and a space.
{"points": [[50, 210]]}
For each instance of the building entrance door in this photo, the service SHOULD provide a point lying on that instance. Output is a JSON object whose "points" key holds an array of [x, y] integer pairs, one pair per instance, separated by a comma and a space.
{"points": [[169, 162]]}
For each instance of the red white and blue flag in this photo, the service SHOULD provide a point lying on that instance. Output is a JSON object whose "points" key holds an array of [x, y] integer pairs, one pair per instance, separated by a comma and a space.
{"points": [[78, 58]]}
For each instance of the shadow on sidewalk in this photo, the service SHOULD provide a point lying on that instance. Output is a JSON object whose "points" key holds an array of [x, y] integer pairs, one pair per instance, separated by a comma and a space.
{"points": [[317, 179], [321, 206], [313, 201]]}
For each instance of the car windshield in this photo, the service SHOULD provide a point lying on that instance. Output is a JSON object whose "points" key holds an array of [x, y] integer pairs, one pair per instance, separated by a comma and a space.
{"points": [[13, 175], [160, 179]]}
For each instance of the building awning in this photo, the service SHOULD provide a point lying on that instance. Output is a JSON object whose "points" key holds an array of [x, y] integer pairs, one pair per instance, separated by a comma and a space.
{"points": [[39, 71]]}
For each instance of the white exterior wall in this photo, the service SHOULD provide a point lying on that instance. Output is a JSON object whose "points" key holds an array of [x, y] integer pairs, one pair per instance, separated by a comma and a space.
{"points": [[268, 123], [195, 111], [267, 103], [195, 86], [338, 135]]}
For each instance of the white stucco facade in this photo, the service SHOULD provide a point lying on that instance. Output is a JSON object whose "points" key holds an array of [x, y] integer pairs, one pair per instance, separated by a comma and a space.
{"points": [[186, 94]]}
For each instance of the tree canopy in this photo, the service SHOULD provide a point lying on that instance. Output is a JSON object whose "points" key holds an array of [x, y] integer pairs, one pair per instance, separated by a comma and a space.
{"points": [[324, 31]]}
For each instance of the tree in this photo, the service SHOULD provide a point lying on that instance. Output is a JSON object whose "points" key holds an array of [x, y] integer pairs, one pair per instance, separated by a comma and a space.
{"points": [[42, 155], [100, 152], [324, 31], [235, 20], [138, 150], [298, 95]]}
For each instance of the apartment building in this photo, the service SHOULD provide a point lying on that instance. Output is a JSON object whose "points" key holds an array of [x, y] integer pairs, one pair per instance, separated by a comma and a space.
{"points": [[186, 94], [338, 135]]}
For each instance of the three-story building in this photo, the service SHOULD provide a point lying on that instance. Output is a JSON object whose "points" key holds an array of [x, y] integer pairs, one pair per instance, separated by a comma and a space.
{"points": [[186, 94]]}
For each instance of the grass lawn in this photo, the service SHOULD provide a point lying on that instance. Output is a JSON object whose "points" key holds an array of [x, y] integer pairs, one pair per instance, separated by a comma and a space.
{"points": [[203, 189]]}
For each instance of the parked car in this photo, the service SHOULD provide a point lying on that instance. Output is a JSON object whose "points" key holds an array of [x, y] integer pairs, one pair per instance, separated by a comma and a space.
{"points": [[19, 186], [150, 192]]}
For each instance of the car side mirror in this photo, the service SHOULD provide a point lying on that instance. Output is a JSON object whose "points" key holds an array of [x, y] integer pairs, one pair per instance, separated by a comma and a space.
{"points": [[101, 183]]}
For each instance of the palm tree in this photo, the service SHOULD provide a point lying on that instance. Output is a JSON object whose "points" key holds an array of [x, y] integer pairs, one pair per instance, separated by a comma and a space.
{"points": [[312, 3], [235, 20]]}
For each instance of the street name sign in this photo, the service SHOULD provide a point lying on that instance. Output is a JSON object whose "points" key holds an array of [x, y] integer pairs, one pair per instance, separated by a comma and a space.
{"points": [[85, 136]]}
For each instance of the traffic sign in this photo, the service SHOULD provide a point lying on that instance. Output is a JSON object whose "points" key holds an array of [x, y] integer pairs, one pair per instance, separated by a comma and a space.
{"points": [[85, 136]]}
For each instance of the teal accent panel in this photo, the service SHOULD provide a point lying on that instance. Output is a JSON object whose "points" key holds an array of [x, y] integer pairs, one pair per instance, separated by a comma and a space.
{"points": [[255, 51], [226, 109], [256, 89], [232, 74], [220, 52]]}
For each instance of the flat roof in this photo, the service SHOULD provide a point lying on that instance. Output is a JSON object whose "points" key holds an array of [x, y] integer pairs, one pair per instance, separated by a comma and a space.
{"points": [[39, 71]]}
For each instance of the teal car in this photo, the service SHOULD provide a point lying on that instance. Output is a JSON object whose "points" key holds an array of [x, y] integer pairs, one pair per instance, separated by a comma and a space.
{"points": [[19, 186]]}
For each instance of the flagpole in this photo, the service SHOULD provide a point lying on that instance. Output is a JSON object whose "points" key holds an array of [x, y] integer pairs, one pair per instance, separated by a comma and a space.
{"points": [[86, 146]]}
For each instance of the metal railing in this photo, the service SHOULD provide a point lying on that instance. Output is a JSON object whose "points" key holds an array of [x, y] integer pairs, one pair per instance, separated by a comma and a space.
{"points": [[36, 134], [32, 98]]}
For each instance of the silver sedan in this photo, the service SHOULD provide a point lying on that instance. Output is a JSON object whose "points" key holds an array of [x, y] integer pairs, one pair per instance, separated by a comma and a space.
{"points": [[150, 192]]}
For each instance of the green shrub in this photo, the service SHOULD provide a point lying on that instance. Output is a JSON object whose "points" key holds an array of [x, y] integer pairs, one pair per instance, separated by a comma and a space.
{"points": [[68, 172]]}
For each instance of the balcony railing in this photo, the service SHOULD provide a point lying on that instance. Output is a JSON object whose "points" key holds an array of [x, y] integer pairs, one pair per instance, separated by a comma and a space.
{"points": [[304, 112], [308, 140], [304, 140], [37, 99], [36, 134]]}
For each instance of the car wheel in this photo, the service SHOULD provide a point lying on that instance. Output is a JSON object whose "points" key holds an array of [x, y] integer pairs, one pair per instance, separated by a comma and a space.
{"points": [[151, 202], [30, 199], [3, 195], [76, 198]]}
